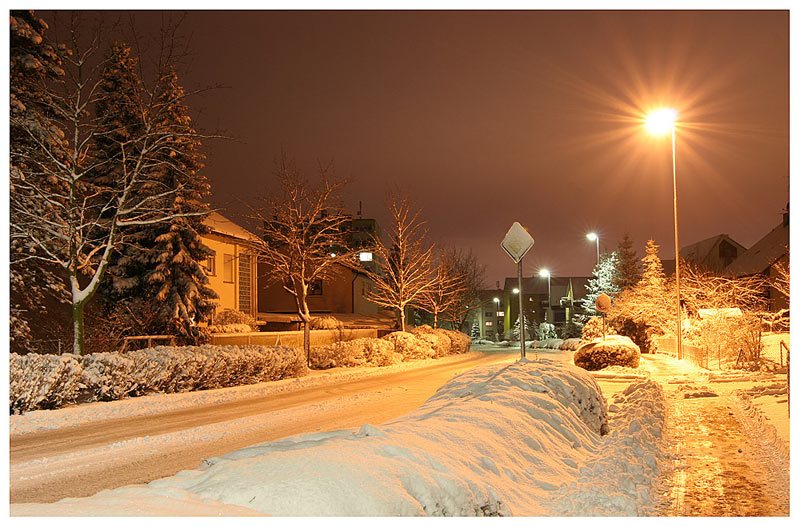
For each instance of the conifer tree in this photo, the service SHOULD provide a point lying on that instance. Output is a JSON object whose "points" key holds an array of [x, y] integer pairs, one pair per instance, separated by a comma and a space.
{"points": [[604, 281], [36, 142], [628, 269]]}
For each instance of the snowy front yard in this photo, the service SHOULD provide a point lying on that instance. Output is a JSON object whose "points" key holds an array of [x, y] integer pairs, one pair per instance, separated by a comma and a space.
{"points": [[529, 438]]}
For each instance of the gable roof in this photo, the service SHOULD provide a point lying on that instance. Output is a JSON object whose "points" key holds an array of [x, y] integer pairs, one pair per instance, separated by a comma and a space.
{"points": [[219, 224], [700, 251], [763, 254]]}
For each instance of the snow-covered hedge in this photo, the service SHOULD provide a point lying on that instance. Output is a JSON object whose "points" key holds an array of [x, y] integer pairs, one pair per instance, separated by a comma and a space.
{"points": [[51, 381], [593, 328], [357, 352], [326, 322], [615, 350], [456, 341], [571, 344], [232, 321], [552, 344]]}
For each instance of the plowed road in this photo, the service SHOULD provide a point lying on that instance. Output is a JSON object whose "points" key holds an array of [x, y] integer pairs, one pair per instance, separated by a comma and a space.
{"points": [[81, 460]]}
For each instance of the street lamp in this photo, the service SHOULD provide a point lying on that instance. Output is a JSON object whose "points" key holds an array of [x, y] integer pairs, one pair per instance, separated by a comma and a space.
{"points": [[593, 237], [515, 290], [662, 122], [544, 273]]}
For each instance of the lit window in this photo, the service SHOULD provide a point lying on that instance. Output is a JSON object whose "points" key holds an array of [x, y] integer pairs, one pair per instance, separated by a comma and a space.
{"points": [[489, 323], [501, 313], [227, 267], [365, 256]]}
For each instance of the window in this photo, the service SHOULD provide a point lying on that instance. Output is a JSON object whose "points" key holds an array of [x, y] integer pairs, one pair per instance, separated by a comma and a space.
{"points": [[501, 313], [315, 288], [488, 314], [489, 323], [211, 264], [227, 267]]}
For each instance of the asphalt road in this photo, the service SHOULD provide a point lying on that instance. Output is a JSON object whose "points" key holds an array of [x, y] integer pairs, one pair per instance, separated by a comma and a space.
{"points": [[80, 461]]}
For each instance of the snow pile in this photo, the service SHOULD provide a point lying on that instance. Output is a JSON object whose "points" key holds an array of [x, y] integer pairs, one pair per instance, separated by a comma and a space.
{"points": [[353, 353], [552, 344], [571, 344], [521, 439], [52, 381], [692, 391], [484, 342], [409, 346], [620, 480], [614, 350], [436, 338], [458, 342]]}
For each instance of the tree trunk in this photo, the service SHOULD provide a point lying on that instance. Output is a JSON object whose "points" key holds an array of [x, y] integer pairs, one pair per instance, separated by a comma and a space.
{"points": [[402, 319], [307, 340], [435, 319], [77, 328]]}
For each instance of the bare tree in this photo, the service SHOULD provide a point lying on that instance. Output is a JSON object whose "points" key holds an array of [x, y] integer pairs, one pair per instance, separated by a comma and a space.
{"points": [[780, 282], [472, 276], [303, 235], [63, 214], [701, 289], [404, 272], [447, 289]]}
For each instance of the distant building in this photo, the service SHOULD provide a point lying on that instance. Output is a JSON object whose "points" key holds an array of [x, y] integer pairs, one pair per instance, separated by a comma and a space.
{"points": [[231, 268], [490, 315], [565, 295], [761, 258], [713, 254]]}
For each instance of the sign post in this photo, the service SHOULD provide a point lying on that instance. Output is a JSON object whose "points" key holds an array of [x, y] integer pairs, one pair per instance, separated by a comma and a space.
{"points": [[516, 244], [603, 304]]}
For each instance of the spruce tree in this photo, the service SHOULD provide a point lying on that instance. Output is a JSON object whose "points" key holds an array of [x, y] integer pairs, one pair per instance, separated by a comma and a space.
{"points": [[628, 269], [604, 280], [34, 64]]}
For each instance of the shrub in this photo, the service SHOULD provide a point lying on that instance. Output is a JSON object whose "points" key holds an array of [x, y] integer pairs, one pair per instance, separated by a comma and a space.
{"points": [[615, 350], [233, 321], [52, 381], [459, 342], [571, 344], [640, 333], [550, 343], [357, 352], [410, 346], [326, 322], [546, 331], [593, 328]]}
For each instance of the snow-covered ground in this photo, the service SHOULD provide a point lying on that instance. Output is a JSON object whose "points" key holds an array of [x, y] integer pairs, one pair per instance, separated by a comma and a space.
{"points": [[519, 439]]}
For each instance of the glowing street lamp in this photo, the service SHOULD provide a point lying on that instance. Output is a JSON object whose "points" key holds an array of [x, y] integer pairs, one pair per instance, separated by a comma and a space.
{"points": [[544, 273], [662, 122], [593, 237], [515, 290]]}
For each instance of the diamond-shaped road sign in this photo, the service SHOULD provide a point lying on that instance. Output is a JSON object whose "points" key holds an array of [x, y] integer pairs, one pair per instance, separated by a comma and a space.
{"points": [[517, 242]]}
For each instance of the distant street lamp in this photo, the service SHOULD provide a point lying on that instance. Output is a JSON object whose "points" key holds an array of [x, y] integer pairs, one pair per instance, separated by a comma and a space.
{"points": [[544, 273], [661, 122], [515, 290], [593, 237]]}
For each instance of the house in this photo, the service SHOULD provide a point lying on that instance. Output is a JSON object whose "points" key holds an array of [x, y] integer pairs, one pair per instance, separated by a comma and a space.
{"points": [[342, 295], [232, 268], [761, 258], [489, 316], [713, 254], [564, 296]]}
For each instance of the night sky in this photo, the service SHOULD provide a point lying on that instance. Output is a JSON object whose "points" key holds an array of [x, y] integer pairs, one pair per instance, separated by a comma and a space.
{"points": [[486, 118]]}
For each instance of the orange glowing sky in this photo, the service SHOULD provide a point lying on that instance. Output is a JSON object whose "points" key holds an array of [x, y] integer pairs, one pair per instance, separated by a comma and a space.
{"points": [[485, 118]]}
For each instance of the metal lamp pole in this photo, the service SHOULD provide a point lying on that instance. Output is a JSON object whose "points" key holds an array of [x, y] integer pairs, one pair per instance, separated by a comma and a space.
{"points": [[677, 248]]}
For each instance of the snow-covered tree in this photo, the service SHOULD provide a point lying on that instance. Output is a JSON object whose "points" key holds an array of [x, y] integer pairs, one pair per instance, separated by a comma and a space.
{"points": [[628, 268], [303, 235], [604, 280], [81, 228], [475, 331], [34, 62], [404, 271], [546, 330], [164, 262], [530, 328]]}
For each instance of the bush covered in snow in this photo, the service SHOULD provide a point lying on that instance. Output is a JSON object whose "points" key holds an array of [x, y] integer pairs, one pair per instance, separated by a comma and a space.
{"points": [[546, 331], [615, 350], [410, 346], [232, 321], [551, 343], [52, 381], [357, 352], [571, 344], [437, 338], [326, 322], [593, 328]]}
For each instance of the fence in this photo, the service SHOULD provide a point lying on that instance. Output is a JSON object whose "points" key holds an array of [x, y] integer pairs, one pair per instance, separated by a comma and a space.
{"points": [[319, 337], [696, 355]]}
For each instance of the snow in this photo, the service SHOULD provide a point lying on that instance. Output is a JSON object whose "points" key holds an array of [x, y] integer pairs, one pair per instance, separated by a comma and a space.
{"points": [[525, 438]]}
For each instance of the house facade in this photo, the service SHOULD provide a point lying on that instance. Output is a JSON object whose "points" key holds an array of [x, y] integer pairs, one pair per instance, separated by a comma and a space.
{"points": [[232, 270]]}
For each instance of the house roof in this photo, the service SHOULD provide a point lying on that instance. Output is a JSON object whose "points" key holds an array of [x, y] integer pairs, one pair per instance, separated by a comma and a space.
{"points": [[219, 224], [763, 254], [699, 251]]}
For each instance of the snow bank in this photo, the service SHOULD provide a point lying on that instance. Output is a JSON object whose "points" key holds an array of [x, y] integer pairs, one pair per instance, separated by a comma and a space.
{"points": [[552, 344], [620, 480], [522, 439], [571, 344], [614, 350], [52, 381]]}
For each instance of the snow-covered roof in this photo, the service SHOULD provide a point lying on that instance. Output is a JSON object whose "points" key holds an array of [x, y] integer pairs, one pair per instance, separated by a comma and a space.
{"points": [[763, 254], [699, 251], [219, 224]]}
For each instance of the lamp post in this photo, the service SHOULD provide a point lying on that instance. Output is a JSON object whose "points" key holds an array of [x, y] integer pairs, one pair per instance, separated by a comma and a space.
{"points": [[593, 237], [661, 122], [544, 273], [496, 301]]}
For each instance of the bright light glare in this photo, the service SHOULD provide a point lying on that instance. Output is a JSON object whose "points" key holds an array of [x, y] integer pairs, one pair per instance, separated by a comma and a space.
{"points": [[496, 300], [365, 256], [660, 122], [544, 273], [591, 236], [515, 290]]}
